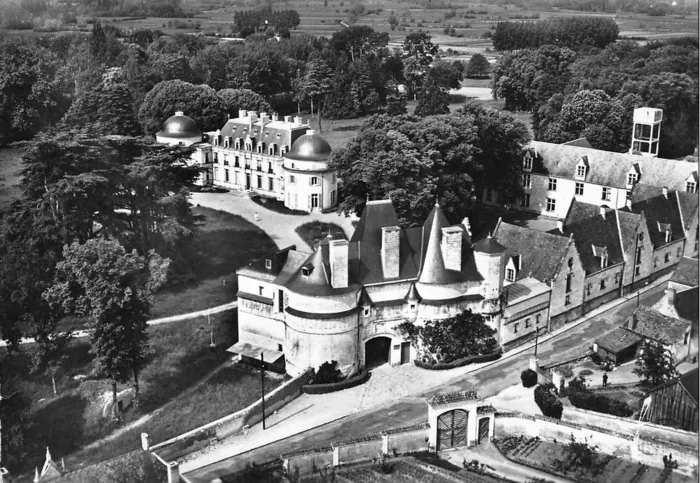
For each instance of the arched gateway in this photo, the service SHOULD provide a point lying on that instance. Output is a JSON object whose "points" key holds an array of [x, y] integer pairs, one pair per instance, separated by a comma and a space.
{"points": [[377, 351], [459, 419]]}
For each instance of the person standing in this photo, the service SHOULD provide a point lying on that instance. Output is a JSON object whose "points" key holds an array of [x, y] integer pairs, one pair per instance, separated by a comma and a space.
{"points": [[605, 380], [256, 217]]}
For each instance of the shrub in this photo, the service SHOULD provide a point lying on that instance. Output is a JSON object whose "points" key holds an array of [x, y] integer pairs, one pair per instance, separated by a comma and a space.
{"points": [[585, 372], [529, 377], [548, 402], [565, 371], [328, 373], [581, 397]]}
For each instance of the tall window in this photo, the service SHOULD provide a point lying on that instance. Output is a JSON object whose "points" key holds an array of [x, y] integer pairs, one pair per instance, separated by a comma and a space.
{"points": [[236, 163], [259, 182], [333, 198], [552, 185], [515, 328], [525, 200], [259, 164], [666, 257], [691, 187], [271, 184], [216, 158], [226, 175], [579, 188], [292, 179], [638, 256], [313, 181], [602, 284], [527, 162], [606, 193], [551, 204], [527, 323], [225, 160], [527, 182], [569, 278]]}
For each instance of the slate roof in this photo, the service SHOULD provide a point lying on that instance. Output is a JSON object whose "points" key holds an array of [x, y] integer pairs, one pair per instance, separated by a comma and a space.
{"points": [[690, 381], [452, 397], [652, 324], [591, 234], [688, 203], [294, 262], [278, 132], [489, 245], [318, 281], [258, 266], [578, 210], [629, 224], [524, 289], [541, 253], [618, 340], [609, 168], [580, 142], [661, 210], [686, 305], [433, 269], [686, 272]]}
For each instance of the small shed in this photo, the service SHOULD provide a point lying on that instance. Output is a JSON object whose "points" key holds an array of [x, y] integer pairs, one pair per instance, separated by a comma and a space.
{"points": [[619, 346], [459, 419]]}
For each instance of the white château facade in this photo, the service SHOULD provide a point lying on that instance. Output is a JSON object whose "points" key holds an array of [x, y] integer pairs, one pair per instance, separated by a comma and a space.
{"points": [[272, 157], [345, 300]]}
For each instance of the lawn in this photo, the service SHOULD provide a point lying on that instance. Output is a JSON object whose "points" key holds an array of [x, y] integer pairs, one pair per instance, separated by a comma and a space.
{"points": [[224, 243], [313, 231], [181, 357]]}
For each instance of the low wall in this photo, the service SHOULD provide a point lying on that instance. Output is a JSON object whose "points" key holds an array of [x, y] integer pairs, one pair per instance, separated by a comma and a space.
{"points": [[594, 303], [198, 438], [611, 434], [441, 366], [560, 320], [356, 380], [393, 442]]}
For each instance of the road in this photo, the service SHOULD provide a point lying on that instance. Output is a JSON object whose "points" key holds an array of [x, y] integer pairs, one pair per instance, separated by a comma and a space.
{"points": [[413, 409]]}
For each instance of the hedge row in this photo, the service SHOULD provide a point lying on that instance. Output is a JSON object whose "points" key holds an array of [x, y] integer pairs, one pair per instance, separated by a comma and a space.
{"points": [[441, 366], [548, 402], [337, 386], [600, 403]]}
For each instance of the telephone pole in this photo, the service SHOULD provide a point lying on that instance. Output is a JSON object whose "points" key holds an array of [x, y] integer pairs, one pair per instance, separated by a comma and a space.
{"points": [[262, 385]]}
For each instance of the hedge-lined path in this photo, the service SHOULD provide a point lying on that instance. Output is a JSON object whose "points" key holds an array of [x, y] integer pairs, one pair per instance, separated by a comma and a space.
{"points": [[77, 334], [488, 378]]}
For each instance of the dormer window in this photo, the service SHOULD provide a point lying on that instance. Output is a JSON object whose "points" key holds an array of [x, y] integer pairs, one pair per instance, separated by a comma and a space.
{"points": [[527, 162], [283, 150], [691, 187], [668, 236], [580, 171], [510, 275], [260, 148], [631, 179], [268, 264], [227, 141], [665, 228], [271, 150], [306, 270], [216, 140], [602, 253], [248, 146], [237, 144]]}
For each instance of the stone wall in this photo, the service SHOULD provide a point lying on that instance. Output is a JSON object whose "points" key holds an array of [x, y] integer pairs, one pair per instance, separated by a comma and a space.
{"points": [[356, 451]]}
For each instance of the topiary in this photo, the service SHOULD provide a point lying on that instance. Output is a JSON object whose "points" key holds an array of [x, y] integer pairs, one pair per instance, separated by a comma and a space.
{"points": [[528, 377]]}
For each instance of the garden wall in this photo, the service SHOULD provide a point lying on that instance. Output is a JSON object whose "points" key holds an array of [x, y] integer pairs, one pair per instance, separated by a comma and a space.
{"points": [[198, 438], [307, 461], [615, 442], [354, 451], [407, 439]]}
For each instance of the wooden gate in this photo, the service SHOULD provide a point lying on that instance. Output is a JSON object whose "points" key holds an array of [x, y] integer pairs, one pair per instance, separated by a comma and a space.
{"points": [[484, 430], [452, 429]]}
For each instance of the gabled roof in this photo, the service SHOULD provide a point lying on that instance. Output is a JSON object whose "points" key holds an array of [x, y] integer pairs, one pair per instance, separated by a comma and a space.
{"points": [[541, 253], [652, 324], [686, 272], [609, 168], [578, 210], [618, 340], [595, 237], [580, 142], [629, 224], [660, 211]]}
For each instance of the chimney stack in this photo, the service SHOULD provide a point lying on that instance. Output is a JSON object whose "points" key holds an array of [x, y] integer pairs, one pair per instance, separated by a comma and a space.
{"points": [[602, 211], [297, 120], [288, 119], [264, 119], [664, 191], [451, 246], [670, 295], [391, 251], [560, 225], [275, 116], [467, 229], [338, 253], [628, 203], [242, 113]]}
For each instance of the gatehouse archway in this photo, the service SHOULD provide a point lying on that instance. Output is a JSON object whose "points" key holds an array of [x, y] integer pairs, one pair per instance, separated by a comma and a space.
{"points": [[377, 351], [452, 429]]}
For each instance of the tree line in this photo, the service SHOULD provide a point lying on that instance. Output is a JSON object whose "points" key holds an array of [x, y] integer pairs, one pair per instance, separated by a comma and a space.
{"points": [[592, 92], [572, 32], [247, 22]]}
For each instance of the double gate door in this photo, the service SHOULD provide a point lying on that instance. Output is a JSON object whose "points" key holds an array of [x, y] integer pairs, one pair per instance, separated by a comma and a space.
{"points": [[452, 429]]}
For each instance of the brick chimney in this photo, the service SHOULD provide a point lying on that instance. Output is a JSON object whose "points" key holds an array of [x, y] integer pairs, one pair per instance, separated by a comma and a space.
{"points": [[338, 254], [297, 121], [670, 295], [242, 113], [664, 191], [602, 211], [451, 246], [390, 251], [560, 224]]}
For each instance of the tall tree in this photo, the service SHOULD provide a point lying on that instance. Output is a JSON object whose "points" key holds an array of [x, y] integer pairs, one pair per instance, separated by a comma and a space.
{"points": [[314, 85], [478, 66], [234, 100], [101, 280], [655, 363]]}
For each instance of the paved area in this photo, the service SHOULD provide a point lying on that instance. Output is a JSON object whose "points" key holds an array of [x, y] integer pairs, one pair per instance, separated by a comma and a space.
{"points": [[489, 455], [280, 227], [400, 401]]}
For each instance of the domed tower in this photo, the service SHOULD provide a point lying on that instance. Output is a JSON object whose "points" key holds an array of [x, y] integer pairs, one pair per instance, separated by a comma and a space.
{"points": [[179, 130], [322, 315], [308, 183]]}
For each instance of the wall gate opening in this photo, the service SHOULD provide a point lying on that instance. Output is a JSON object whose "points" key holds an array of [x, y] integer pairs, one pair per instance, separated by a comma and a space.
{"points": [[377, 351], [452, 429]]}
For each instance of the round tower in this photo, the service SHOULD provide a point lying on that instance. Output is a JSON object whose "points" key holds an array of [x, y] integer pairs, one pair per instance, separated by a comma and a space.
{"points": [[488, 256]]}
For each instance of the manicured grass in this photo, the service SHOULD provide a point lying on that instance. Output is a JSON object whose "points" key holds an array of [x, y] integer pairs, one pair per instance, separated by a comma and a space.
{"points": [[224, 243], [73, 419], [313, 231]]}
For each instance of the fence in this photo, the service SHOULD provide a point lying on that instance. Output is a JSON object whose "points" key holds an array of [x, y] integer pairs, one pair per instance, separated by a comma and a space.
{"points": [[393, 442], [196, 439]]}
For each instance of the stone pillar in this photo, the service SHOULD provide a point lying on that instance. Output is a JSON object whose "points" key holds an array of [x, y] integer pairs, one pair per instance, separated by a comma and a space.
{"points": [[145, 441], [452, 247], [534, 363], [385, 443], [173, 472], [335, 456]]}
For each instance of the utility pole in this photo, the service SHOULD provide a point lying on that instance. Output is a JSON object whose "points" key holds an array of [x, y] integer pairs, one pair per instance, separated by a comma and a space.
{"points": [[537, 335], [262, 385], [634, 263]]}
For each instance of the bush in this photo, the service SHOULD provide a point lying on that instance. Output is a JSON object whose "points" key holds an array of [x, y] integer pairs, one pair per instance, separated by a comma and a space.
{"points": [[328, 373], [565, 371], [548, 402], [581, 397], [529, 377], [585, 372], [353, 381]]}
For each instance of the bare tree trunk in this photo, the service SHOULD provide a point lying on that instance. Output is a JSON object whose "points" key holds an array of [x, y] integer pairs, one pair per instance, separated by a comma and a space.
{"points": [[53, 383], [318, 113], [115, 409], [312, 105], [136, 388]]}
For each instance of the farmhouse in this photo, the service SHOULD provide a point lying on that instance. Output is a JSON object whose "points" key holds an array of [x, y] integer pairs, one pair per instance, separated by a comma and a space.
{"points": [[276, 158], [344, 301]]}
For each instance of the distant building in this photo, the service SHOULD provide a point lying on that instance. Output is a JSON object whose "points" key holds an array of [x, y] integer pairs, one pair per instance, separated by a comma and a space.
{"points": [[276, 158], [344, 301]]}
